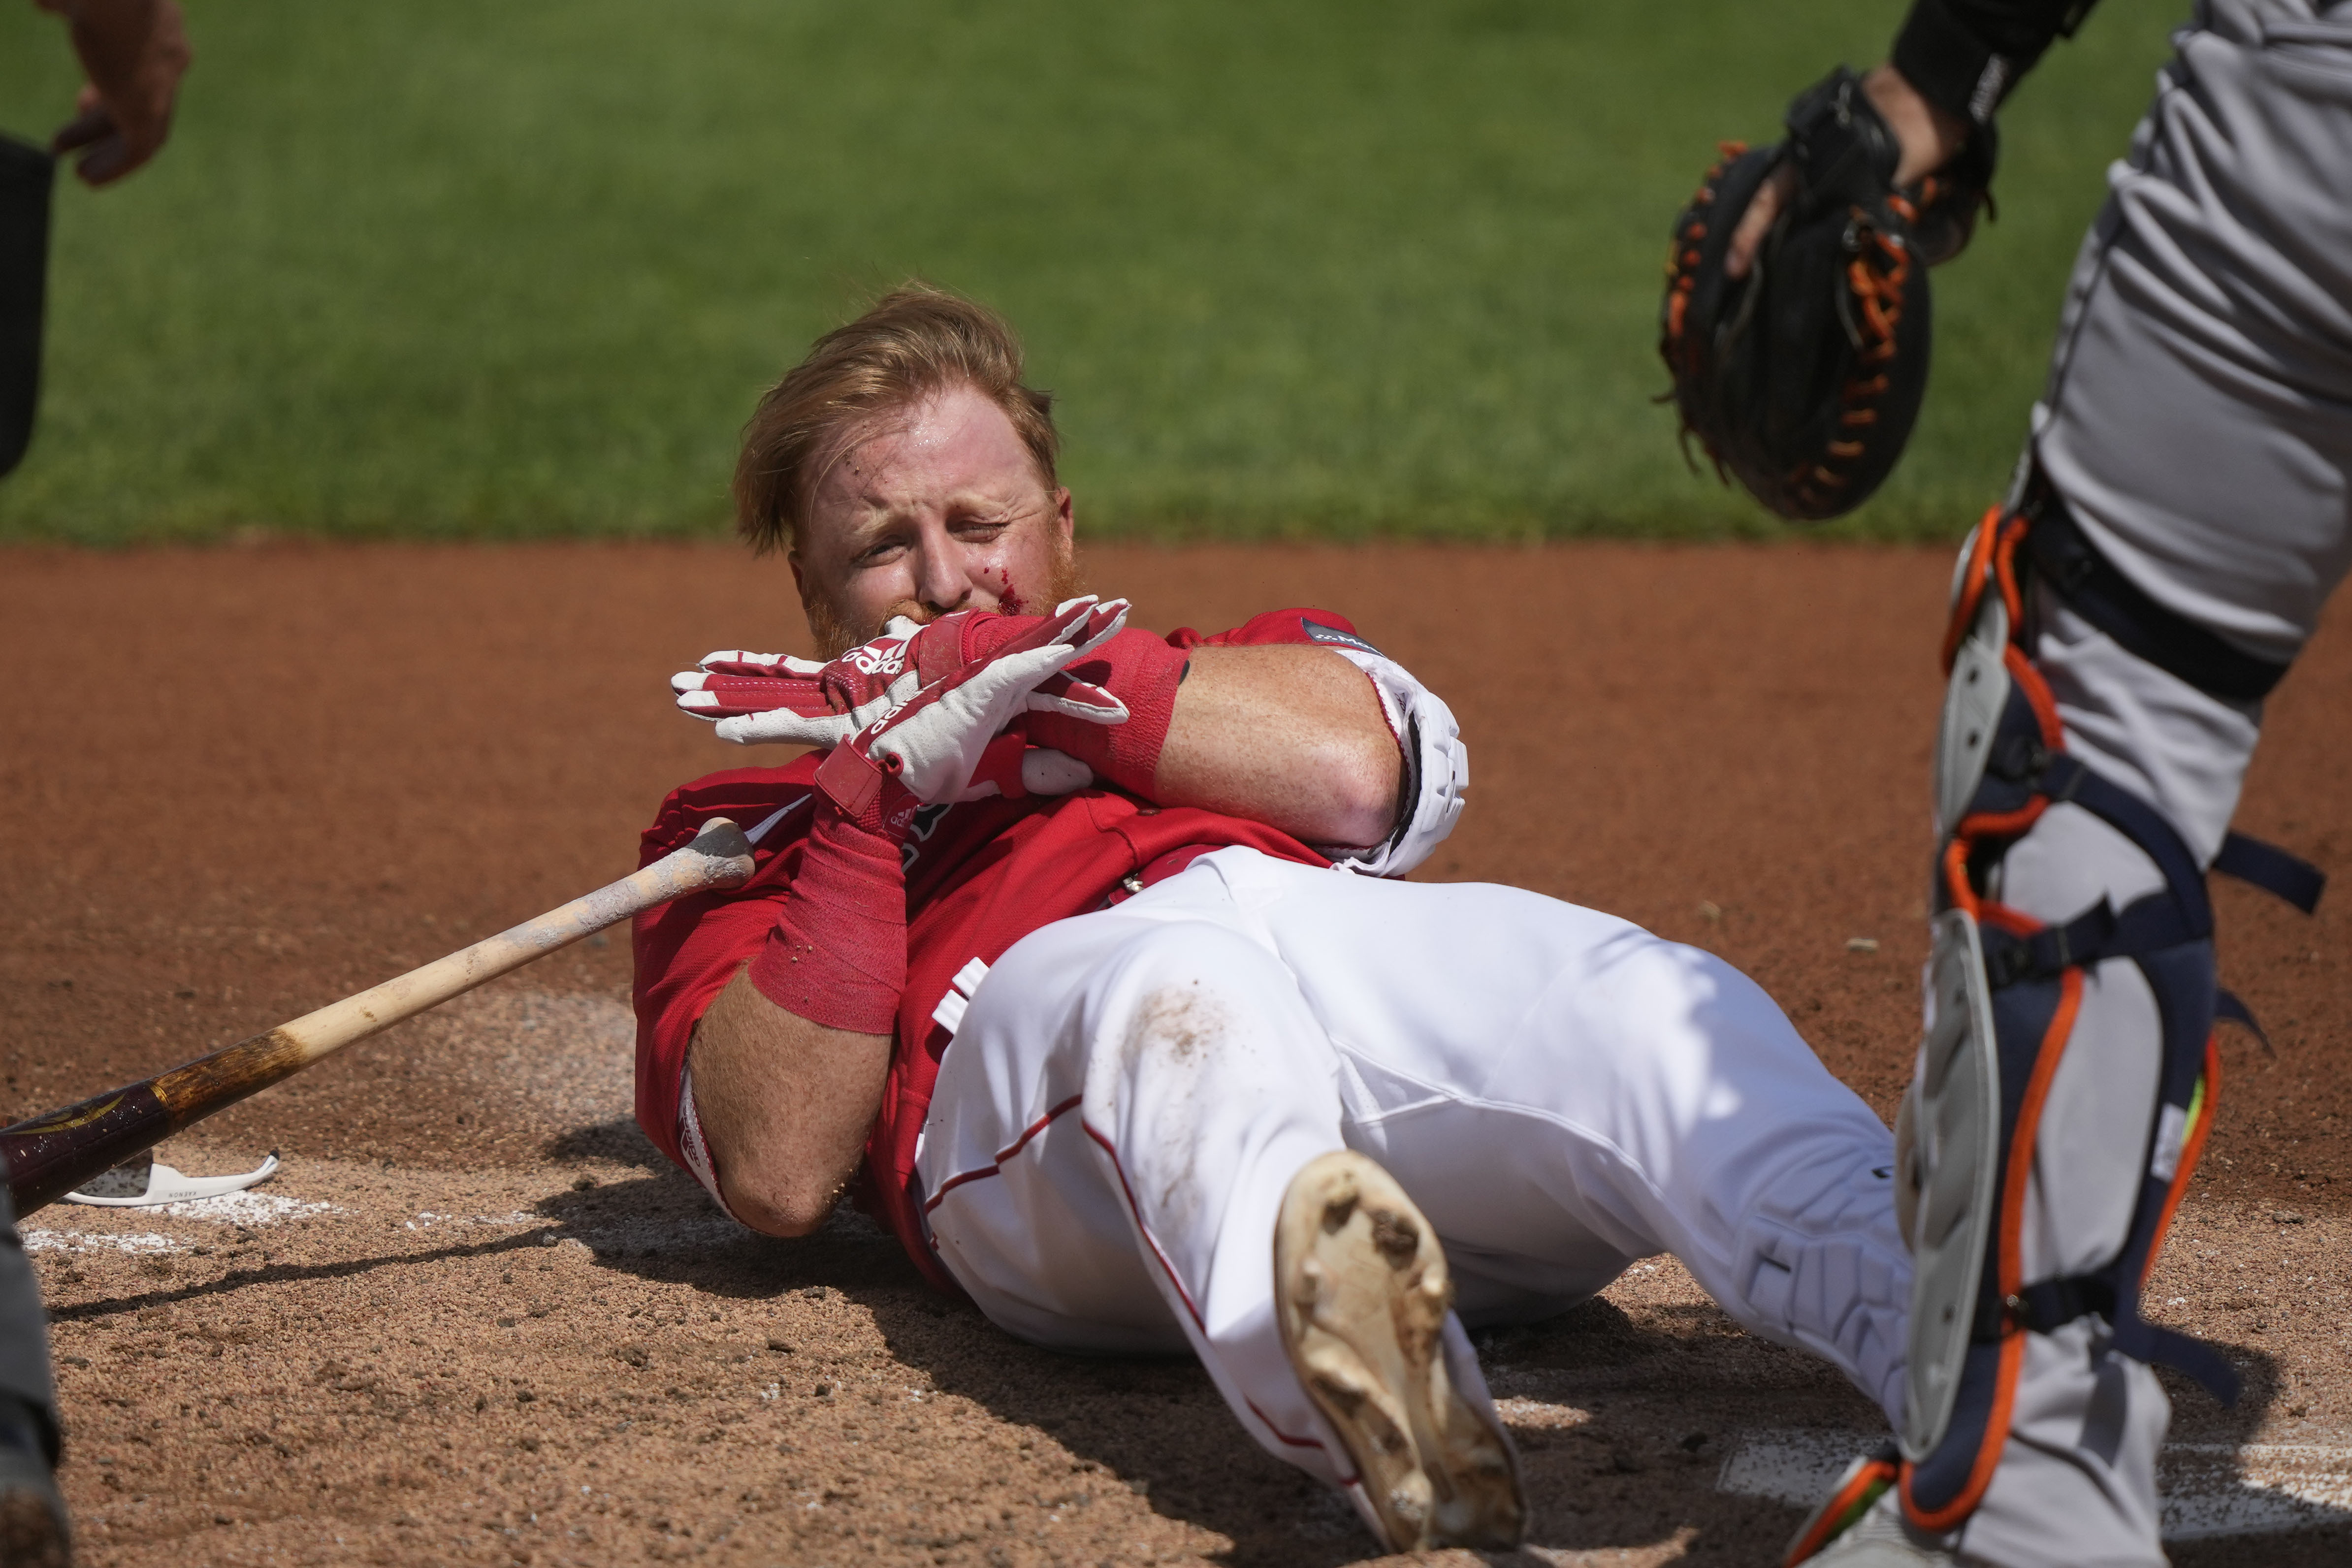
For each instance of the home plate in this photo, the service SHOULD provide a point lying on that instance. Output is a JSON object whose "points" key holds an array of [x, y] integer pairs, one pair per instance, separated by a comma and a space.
{"points": [[2209, 1488]]}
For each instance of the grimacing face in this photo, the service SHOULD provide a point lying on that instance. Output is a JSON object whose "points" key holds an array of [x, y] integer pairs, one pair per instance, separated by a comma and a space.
{"points": [[925, 510]]}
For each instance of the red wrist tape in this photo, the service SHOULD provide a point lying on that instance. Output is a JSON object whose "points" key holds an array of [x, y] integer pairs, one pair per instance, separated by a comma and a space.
{"points": [[1142, 672], [837, 955]]}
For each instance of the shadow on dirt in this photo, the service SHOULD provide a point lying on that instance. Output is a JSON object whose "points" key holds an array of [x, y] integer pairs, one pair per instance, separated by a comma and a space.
{"points": [[1627, 1477], [2204, 1450], [1666, 1395], [620, 1140], [1156, 1426], [292, 1273]]}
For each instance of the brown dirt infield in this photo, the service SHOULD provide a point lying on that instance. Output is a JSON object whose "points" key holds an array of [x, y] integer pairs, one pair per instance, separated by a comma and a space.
{"points": [[235, 784]]}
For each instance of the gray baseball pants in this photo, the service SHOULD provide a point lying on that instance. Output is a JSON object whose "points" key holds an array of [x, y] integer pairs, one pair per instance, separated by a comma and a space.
{"points": [[25, 1372], [2199, 424]]}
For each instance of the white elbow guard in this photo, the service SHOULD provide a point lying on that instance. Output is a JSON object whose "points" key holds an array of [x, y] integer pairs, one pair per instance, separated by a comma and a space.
{"points": [[695, 1147], [1437, 766]]}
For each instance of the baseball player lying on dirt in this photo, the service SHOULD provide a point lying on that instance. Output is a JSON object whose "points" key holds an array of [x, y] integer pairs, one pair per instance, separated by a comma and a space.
{"points": [[1080, 943]]}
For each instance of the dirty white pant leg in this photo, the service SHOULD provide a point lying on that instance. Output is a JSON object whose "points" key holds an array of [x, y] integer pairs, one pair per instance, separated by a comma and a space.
{"points": [[1179, 1083], [1209, 1087], [1016, 1204], [1563, 1093]]}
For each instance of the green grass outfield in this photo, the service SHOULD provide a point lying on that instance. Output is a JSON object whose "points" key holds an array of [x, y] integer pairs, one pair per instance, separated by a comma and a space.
{"points": [[1325, 267]]}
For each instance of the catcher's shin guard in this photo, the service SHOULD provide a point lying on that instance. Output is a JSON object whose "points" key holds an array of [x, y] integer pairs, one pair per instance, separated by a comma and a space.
{"points": [[2004, 989]]}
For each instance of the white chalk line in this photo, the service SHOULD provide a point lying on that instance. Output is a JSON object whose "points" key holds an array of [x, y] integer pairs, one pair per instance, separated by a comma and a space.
{"points": [[249, 1209], [255, 1210], [2208, 1488]]}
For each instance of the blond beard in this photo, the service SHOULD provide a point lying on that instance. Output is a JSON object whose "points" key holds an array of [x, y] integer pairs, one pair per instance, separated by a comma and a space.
{"points": [[835, 635]]}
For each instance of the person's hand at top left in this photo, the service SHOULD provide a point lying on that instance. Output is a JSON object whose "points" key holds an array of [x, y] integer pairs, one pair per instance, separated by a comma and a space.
{"points": [[134, 53]]}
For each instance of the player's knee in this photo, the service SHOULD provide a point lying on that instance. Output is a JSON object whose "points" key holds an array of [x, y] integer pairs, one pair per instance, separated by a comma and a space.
{"points": [[1182, 991]]}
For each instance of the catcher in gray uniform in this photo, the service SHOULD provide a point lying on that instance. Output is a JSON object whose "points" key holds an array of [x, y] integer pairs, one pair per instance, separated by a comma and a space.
{"points": [[2180, 514]]}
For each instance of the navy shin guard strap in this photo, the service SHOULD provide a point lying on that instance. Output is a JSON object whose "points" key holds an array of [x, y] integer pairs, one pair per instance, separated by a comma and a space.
{"points": [[2147, 925], [2272, 868], [2230, 1008], [2065, 778], [2020, 768], [2105, 597], [2082, 940], [2134, 1336], [2049, 1305]]}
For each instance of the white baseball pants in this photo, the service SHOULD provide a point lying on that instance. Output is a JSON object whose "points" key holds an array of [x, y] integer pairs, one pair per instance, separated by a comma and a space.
{"points": [[1130, 1092]]}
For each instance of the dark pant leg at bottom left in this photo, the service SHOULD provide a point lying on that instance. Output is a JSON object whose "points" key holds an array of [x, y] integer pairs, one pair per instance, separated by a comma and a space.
{"points": [[24, 1372]]}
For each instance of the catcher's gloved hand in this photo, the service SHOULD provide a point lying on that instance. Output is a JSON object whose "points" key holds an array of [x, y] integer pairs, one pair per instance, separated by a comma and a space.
{"points": [[1804, 378]]}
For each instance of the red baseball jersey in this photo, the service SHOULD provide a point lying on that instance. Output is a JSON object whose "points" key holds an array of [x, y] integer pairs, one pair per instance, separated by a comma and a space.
{"points": [[979, 876]]}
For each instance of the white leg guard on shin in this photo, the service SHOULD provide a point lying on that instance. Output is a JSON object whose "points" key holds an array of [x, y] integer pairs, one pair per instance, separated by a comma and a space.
{"points": [[2065, 1084]]}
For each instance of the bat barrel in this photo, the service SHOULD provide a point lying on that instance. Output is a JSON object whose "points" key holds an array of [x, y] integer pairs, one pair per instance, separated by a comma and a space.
{"points": [[54, 1153]]}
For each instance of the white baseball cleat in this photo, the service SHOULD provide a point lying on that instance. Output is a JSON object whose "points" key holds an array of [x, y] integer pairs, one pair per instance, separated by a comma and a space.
{"points": [[1364, 1301]]}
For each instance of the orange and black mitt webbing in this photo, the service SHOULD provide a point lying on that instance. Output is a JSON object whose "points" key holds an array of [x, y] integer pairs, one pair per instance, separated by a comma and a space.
{"points": [[1802, 380]]}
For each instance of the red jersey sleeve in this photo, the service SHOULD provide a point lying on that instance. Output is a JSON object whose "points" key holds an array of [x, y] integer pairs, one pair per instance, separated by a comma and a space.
{"points": [[1324, 626], [687, 950]]}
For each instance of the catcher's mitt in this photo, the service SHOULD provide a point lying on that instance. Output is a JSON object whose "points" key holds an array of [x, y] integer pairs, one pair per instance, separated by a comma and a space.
{"points": [[1803, 378]]}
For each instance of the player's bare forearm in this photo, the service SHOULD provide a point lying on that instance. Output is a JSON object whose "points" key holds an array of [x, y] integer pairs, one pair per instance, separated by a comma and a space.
{"points": [[786, 1105], [1291, 736]]}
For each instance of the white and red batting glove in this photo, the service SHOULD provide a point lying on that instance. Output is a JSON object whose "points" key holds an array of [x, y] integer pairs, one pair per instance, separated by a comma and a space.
{"points": [[1110, 710], [738, 689], [837, 955], [932, 749], [760, 698]]}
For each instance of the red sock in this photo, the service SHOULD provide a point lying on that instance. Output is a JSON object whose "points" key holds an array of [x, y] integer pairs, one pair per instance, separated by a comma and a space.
{"points": [[1142, 672], [837, 955]]}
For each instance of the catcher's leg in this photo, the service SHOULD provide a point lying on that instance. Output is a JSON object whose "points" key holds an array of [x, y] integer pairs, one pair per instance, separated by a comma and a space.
{"points": [[2066, 1082], [2196, 428], [2199, 415]]}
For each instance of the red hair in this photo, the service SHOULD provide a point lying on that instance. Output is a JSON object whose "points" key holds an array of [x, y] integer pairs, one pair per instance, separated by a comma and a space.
{"points": [[916, 341]]}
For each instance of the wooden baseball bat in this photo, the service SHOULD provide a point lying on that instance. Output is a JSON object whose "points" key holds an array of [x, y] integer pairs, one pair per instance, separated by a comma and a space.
{"points": [[52, 1155]]}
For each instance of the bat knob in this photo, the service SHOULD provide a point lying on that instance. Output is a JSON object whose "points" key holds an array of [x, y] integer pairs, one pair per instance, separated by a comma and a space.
{"points": [[722, 843]]}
